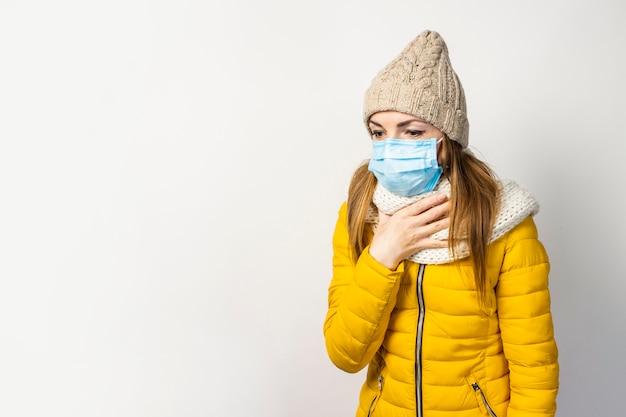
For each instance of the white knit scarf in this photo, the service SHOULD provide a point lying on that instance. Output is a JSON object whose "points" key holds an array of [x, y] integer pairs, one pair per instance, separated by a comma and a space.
{"points": [[516, 204]]}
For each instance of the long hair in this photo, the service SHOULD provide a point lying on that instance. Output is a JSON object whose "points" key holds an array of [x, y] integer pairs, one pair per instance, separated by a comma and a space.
{"points": [[474, 201]]}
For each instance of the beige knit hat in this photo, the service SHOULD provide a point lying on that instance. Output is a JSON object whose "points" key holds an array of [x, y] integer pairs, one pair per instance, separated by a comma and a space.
{"points": [[421, 82]]}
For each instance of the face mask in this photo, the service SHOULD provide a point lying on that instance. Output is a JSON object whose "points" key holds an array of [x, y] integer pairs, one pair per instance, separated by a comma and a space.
{"points": [[406, 167]]}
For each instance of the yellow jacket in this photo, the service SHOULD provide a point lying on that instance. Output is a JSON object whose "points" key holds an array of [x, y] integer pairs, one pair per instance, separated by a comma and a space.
{"points": [[432, 350]]}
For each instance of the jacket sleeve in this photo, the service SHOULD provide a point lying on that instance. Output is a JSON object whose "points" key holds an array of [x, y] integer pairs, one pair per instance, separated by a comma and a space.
{"points": [[361, 298], [526, 324]]}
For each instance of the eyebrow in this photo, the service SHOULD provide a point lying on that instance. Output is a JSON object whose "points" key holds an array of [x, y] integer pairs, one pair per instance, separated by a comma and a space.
{"points": [[401, 124]]}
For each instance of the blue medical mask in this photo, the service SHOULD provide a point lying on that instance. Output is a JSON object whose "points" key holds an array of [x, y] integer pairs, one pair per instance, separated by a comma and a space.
{"points": [[406, 167]]}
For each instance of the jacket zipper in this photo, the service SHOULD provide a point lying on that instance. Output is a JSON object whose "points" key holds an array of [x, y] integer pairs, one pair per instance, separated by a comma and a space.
{"points": [[418, 342], [485, 402], [377, 396]]}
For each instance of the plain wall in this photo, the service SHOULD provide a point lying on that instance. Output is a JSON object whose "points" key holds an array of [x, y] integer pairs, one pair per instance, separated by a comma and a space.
{"points": [[171, 171]]}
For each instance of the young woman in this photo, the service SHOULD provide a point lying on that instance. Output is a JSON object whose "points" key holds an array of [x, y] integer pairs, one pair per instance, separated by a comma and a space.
{"points": [[440, 284]]}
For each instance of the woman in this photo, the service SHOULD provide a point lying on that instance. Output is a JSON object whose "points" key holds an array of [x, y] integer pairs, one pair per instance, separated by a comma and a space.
{"points": [[440, 285]]}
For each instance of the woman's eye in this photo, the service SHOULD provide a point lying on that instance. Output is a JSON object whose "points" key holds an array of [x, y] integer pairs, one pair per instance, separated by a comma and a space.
{"points": [[414, 133], [377, 134]]}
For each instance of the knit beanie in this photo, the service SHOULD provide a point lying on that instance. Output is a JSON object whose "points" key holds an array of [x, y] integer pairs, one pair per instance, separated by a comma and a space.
{"points": [[421, 82]]}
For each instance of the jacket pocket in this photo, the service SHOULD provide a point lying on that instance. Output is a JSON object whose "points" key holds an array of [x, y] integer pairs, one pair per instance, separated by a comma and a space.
{"points": [[370, 412], [483, 404]]}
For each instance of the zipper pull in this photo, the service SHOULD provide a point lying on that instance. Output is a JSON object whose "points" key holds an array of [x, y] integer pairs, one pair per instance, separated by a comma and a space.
{"points": [[380, 382]]}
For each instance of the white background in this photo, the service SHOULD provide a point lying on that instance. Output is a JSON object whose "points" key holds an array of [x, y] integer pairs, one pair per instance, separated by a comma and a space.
{"points": [[170, 174]]}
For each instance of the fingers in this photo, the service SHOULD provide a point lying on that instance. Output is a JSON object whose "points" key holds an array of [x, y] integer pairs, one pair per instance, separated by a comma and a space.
{"points": [[425, 204], [436, 226], [410, 230], [429, 214], [426, 216], [430, 243]]}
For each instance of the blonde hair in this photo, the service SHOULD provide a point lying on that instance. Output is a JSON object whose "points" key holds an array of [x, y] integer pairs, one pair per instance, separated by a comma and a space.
{"points": [[474, 201]]}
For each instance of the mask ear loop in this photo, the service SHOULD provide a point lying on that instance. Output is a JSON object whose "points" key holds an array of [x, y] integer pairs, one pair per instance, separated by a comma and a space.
{"points": [[438, 144]]}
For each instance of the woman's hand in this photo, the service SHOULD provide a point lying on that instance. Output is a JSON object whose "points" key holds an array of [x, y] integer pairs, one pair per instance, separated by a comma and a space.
{"points": [[408, 230]]}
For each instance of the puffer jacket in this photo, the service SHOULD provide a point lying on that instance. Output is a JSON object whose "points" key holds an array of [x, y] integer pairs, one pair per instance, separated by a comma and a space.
{"points": [[431, 350]]}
